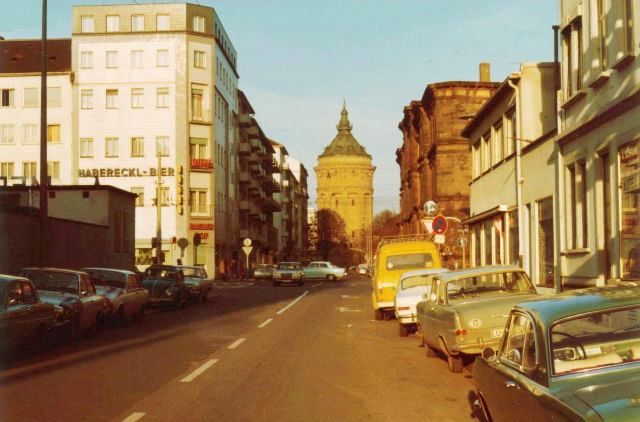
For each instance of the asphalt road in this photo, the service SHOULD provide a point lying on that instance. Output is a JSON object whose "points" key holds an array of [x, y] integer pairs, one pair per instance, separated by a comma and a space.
{"points": [[252, 353]]}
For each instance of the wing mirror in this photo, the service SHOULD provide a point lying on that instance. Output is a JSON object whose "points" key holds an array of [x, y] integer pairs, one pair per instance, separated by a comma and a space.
{"points": [[425, 296], [488, 353]]}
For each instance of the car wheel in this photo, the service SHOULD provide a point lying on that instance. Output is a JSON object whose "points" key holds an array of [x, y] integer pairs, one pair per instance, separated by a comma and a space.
{"points": [[455, 364], [378, 315], [331, 277], [388, 316], [430, 351], [403, 330]]}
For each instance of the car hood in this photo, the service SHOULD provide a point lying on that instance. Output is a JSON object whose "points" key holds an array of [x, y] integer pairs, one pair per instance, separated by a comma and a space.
{"points": [[56, 298], [616, 400], [149, 283], [412, 295], [195, 281]]}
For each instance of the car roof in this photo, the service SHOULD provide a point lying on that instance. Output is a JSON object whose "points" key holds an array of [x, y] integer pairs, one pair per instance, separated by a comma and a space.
{"points": [[477, 271], [558, 306], [115, 270], [56, 270], [5, 278], [426, 271], [289, 262], [164, 266], [191, 267], [320, 262]]}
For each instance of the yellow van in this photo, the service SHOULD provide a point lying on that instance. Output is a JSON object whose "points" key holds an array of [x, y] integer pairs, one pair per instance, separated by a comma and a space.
{"points": [[395, 256]]}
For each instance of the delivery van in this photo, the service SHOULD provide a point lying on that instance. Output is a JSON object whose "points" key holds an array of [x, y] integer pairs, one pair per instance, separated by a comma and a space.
{"points": [[395, 256]]}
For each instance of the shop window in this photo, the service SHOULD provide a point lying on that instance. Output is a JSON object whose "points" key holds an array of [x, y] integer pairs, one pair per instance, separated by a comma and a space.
{"points": [[630, 197], [545, 243]]}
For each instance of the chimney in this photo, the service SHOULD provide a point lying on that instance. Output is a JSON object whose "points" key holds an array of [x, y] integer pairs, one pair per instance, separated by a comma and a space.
{"points": [[485, 72]]}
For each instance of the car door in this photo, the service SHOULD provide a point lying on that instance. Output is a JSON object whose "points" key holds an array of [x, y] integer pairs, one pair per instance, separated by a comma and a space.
{"points": [[91, 302], [429, 323], [17, 326], [38, 312], [134, 295]]}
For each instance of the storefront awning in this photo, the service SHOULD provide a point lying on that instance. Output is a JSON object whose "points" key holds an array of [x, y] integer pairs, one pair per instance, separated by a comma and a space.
{"points": [[498, 209]]}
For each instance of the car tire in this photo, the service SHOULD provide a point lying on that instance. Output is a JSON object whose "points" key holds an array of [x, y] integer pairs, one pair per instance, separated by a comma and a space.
{"points": [[455, 364], [378, 315], [388, 316], [403, 330], [331, 277], [430, 351]]}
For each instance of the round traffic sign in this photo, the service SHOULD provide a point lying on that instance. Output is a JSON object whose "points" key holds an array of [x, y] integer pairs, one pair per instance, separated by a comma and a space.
{"points": [[246, 242], [439, 224], [430, 207]]}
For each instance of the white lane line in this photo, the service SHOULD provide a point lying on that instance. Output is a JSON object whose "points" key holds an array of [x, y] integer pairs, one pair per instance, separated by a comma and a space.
{"points": [[265, 323], [199, 371], [236, 343], [134, 417], [293, 303], [316, 285]]}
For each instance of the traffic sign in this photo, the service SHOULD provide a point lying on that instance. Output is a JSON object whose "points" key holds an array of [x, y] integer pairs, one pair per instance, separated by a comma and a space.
{"points": [[246, 242], [439, 224], [247, 250], [430, 207], [439, 239], [428, 224]]}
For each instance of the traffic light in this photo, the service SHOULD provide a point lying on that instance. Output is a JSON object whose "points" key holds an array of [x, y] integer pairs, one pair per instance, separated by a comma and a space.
{"points": [[179, 189]]}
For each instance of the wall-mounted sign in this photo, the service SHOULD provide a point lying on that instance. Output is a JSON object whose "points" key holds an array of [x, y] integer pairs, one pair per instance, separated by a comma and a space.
{"points": [[200, 163], [126, 172], [629, 154], [201, 226], [631, 184]]}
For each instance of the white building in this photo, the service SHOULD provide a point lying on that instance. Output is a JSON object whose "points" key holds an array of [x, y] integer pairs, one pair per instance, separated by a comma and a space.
{"points": [[158, 78], [20, 65]]}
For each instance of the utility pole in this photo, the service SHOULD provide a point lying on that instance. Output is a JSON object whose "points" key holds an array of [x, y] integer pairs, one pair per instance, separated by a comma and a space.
{"points": [[159, 207], [44, 212]]}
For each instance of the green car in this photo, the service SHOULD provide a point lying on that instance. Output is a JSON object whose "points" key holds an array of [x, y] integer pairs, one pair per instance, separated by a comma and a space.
{"points": [[573, 356]]}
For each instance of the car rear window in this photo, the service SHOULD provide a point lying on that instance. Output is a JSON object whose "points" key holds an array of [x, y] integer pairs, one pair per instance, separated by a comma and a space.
{"points": [[288, 266], [409, 261], [489, 284], [52, 280]]}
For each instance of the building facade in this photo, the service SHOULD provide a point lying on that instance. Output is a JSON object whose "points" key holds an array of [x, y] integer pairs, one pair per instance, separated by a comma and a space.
{"points": [[345, 184]]}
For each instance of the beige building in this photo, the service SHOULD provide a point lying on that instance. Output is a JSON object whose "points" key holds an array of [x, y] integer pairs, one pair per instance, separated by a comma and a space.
{"points": [[345, 184]]}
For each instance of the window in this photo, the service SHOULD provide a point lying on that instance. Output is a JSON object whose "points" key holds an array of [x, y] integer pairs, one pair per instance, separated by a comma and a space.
{"points": [[140, 199], [8, 98], [112, 59], [511, 137], [86, 60], [137, 97], [475, 156], [198, 23], [630, 201], [199, 59], [514, 240], [624, 28], [54, 96], [86, 24], [53, 170], [162, 146], [86, 99], [113, 23], [53, 134], [162, 97], [29, 169], [577, 205], [519, 349], [30, 98], [545, 243], [137, 146], [86, 147], [111, 147], [572, 51], [196, 104], [137, 59], [162, 22], [112, 98], [198, 148], [198, 201], [29, 134], [6, 170], [602, 34], [162, 59], [498, 136], [486, 151], [137, 23]]}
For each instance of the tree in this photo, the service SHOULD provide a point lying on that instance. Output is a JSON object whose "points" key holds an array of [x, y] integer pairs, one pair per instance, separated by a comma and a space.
{"points": [[385, 223], [331, 232]]}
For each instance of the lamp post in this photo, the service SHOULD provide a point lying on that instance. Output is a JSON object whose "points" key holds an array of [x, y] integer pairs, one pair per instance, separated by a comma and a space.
{"points": [[44, 212]]}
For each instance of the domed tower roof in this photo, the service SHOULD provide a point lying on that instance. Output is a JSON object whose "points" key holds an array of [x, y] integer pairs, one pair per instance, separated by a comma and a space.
{"points": [[344, 143]]}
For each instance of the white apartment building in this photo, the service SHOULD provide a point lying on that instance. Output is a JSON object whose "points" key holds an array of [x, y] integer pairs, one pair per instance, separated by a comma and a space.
{"points": [[20, 65], [157, 79]]}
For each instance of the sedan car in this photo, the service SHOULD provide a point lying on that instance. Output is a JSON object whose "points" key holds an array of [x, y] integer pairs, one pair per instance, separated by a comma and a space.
{"points": [[24, 318], [363, 269], [413, 287], [323, 270], [166, 285], [74, 292], [467, 309], [288, 272], [574, 356], [198, 282], [263, 271], [127, 298]]}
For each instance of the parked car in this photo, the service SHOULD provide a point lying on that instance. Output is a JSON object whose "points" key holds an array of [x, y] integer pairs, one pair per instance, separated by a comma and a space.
{"points": [[74, 292], [263, 271], [288, 272], [467, 309], [123, 289], [24, 318], [323, 270], [363, 269], [413, 287], [198, 282], [395, 256], [166, 286], [573, 356]]}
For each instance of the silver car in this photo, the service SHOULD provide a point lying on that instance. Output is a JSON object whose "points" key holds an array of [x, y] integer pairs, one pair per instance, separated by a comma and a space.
{"points": [[127, 298], [323, 270]]}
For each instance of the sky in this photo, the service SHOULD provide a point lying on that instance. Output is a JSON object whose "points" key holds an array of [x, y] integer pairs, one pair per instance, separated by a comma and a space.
{"points": [[298, 60]]}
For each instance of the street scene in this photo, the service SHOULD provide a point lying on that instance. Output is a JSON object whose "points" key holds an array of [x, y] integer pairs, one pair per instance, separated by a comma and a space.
{"points": [[292, 211]]}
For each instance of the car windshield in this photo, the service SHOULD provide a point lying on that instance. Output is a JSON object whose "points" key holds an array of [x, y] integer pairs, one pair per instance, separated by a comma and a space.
{"points": [[415, 281], [488, 284], [288, 266], [53, 280], [107, 278], [161, 273], [194, 272], [409, 261], [597, 340]]}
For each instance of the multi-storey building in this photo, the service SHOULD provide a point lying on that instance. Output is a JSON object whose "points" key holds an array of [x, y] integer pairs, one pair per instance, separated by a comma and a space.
{"points": [[299, 201], [20, 70], [512, 142], [155, 91]]}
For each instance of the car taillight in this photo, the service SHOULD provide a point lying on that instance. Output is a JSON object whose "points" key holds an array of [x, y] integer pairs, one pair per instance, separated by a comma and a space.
{"points": [[403, 308], [461, 332]]}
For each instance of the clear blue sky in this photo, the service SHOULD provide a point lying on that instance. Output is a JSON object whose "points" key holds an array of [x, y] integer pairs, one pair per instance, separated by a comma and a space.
{"points": [[298, 59]]}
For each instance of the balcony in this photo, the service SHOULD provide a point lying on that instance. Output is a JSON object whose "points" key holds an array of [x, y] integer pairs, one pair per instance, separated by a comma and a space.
{"points": [[256, 145], [201, 164], [269, 205], [244, 120], [275, 186], [253, 132], [253, 158], [243, 177], [244, 148], [274, 166]]}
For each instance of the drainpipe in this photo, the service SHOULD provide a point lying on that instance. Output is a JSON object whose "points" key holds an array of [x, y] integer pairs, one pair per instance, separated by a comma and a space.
{"points": [[521, 223]]}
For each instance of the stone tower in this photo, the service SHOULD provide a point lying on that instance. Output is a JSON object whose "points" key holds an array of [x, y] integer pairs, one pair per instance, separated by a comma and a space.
{"points": [[345, 183]]}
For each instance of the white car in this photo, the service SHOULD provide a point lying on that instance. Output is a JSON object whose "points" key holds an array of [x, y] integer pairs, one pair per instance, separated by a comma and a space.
{"points": [[411, 289]]}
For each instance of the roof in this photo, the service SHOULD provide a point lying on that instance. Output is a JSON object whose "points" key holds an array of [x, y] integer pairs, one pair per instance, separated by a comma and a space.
{"points": [[70, 188], [428, 271], [477, 271], [552, 308], [344, 143], [25, 56]]}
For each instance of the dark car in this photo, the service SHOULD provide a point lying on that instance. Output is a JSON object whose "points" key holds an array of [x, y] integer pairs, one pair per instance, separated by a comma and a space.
{"points": [[74, 292], [24, 318], [166, 286], [198, 282]]}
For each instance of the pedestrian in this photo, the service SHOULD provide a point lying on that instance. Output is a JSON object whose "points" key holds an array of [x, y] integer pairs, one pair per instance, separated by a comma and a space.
{"points": [[179, 261]]}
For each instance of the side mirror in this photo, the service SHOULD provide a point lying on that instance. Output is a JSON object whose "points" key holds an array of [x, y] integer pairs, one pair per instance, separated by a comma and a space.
{"points": [[425, 296], [488, 353]]}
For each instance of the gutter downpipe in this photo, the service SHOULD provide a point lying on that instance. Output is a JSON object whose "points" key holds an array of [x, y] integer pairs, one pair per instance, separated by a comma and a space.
{"points": [[519, 180]]}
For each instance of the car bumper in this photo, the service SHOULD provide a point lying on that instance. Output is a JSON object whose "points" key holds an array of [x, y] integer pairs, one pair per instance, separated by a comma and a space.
{"points": [[474, 348], [385, 305], [406, 319]]}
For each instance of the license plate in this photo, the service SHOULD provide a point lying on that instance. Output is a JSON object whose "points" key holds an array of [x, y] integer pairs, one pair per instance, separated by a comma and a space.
{"points": [[497, 332]]}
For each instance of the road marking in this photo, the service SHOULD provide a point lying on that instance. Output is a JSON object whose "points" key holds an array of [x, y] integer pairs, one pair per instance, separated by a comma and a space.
{"points": [[343, 309], [316, 285], [197, 372], [265, 323], [236, 343], [293, 303], [350, 297], [134, 417]]}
